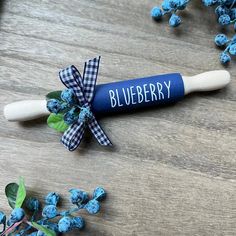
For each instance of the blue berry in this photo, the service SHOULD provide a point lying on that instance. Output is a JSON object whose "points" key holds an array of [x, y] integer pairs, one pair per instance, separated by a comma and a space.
{"points": [[2, 218], [174, 4], [223, 2], [221, 10], [166, 5], [156, 13], [49, 211], [71, 116], [92, 206], [54, 106], [65, 224], [224, 19], [85, 114], [40, 233], [174, 20], [78, 196], [52, 199], [233, 13], [209, 2], [16, 215], [227, 2], [33, 233], [78, 222], [99, 193], [68, 96], [233, 40], [52, 226], [33, 204], [224, 58], [232, 49], [221, 40], [182, 4]]}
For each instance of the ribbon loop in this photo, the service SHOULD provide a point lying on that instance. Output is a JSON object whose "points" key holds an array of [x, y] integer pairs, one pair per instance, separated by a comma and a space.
{"points": [[90, 77], [72, 79], [84, 90]]}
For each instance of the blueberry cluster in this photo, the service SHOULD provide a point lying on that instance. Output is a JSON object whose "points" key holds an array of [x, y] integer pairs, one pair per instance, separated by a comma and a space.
{"points": [[51, 218], [170, 7], [67, 105], [225, 11], [221, 40]]}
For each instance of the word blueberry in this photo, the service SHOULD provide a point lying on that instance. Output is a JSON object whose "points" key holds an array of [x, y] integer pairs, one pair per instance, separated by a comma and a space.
{"points": [[138, 94]]}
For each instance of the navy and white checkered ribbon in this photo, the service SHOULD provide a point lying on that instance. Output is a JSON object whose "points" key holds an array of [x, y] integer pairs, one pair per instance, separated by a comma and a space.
{"points": [[83, 88]]}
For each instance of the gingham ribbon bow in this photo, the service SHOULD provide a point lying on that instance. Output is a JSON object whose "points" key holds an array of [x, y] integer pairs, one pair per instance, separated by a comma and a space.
{"points": [[83, 88]]}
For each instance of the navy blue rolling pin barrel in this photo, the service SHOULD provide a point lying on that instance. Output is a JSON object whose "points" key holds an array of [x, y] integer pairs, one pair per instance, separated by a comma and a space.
{"points": [[132, 94]]}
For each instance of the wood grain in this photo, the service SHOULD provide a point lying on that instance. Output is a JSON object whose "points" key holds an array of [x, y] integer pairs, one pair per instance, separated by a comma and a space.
{"points": [[172, 170]]}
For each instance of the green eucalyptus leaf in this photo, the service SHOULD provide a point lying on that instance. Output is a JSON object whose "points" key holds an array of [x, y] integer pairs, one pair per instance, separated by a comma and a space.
{"points": [[54, 94], [43, 229], [11, 193], [21, 193], [57, 122]]}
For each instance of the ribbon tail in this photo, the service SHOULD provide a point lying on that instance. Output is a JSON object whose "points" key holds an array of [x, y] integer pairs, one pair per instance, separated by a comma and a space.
{"points": [[72, 137], [98, 133]]}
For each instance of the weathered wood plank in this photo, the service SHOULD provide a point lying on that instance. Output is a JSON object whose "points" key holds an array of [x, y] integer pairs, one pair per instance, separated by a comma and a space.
{"points": [[172, 170], [160, 200]]}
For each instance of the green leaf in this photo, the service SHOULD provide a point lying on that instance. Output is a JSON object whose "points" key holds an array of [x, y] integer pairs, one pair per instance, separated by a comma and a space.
{"points": [[21, 193], [54, 94], [43, 229], [11, 193], [56, 122]]}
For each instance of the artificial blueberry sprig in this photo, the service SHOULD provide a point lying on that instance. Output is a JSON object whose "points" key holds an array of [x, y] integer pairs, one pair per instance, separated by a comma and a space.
{"points": [[225, 11], [170, 7], [52, 221], [221, 40], [65, 110]]}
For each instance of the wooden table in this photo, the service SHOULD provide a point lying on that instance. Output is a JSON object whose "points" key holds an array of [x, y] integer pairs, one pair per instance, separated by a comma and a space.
{"points": [[172, 170]]}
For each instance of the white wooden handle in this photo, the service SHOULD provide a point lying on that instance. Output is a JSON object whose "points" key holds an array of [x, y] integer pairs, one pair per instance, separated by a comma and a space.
{"points": [[25, 110], [32, 109], [207, 81]]}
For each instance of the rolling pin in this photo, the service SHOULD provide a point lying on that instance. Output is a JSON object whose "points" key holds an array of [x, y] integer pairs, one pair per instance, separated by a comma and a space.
{"points": [[129, 95]]}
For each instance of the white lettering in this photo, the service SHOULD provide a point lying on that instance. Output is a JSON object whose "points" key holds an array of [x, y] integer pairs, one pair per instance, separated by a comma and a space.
{"points": [[112, 98], [118, 99], [168, 88], [139, 93], [159, 88], [152, 90], [132, 95], [145, 93], [126, 97]]}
